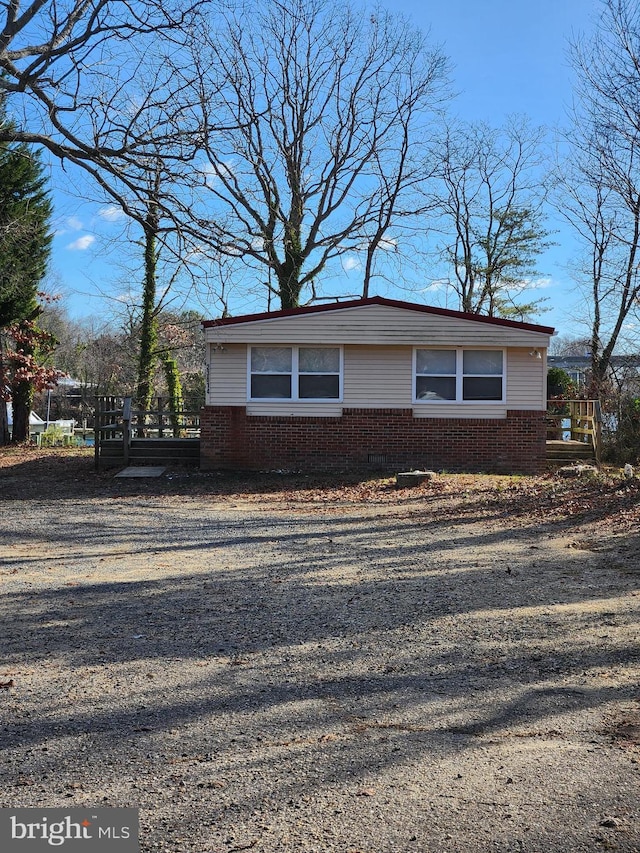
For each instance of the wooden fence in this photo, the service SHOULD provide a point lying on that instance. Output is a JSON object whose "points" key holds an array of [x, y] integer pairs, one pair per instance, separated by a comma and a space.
{"points": [[124, 435]]}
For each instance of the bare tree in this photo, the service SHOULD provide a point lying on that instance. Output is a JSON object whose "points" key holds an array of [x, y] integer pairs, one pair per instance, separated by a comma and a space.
{"points": [[308, 111], [490, 208], [400, 203], [89, 81], [600, 178]]}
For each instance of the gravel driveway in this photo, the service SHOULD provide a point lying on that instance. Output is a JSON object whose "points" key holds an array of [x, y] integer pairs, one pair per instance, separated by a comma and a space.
{"points": [[280, 676]]}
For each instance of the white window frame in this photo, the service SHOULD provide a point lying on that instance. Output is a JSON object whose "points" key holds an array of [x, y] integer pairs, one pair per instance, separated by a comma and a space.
{"points": [[295, 374], [459, 401]]}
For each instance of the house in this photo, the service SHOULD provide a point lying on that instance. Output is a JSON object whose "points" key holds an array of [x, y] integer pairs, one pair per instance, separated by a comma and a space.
{"points": [[36, 425], [576, 367], [39, 427], [374, 383], [623, 371]]}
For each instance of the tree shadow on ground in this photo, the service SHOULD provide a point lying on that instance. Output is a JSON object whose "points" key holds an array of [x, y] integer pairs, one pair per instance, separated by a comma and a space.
{"points": [[63, 474], [310, 649], [325, 598]]}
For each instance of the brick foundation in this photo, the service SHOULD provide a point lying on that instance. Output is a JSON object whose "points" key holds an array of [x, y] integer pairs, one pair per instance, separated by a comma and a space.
{"points": [[384, 439]]}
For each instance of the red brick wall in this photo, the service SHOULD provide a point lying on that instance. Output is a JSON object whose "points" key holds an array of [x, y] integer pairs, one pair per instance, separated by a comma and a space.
{"points": [[390, 439]]}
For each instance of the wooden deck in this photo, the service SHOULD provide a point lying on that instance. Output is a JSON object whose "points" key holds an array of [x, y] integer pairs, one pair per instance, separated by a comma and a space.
{"points": [[574, 431], [126, 437], [149, 451]]}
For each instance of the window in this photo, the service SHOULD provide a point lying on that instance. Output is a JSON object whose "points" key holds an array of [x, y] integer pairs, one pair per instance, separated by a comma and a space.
{"points": [[459, 375], [318, 373], [435, 374], [482, 375], [271, 369], [295, 373]]}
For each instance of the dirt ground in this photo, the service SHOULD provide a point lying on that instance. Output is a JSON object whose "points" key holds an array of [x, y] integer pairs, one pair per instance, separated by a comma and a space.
{"points": [[285, 663]]}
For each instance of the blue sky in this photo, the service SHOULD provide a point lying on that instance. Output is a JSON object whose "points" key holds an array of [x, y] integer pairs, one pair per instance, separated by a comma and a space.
{"points": [[508, 57]]}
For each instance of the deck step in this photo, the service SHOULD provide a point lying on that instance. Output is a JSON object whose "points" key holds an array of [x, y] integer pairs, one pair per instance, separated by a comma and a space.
{"points": [[569, 451], [151, 451], [155, 452]]}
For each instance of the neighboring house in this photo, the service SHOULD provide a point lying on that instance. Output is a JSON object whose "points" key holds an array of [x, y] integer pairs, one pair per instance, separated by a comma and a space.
{"points": [[577, 367], [38, 427], [374, 383], [623, 372]]}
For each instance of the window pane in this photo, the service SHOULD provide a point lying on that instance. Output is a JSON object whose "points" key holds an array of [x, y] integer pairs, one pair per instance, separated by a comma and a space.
{"points": [[482, 362], [481, 388], [435, 388], [317, 387], [272, 387], [318, 360], [436, 361], [271, 359]]}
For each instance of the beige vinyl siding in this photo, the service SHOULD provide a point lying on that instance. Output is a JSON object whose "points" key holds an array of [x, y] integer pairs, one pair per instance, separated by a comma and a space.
{"points": [[288, 408], [227, 375], [375, 324], [228, 387], [460, 410], [526, 390], [377, 377], [526, 380]]}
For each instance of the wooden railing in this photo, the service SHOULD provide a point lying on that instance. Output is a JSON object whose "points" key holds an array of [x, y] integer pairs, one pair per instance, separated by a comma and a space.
{"points": [[116, 419], [576, 420]]}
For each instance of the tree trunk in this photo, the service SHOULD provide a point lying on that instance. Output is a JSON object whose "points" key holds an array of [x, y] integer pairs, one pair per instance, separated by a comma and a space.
{"points": [[149, 326], [175, 392], [5, 435], [22, 399], [289, 271], [289, 291]]}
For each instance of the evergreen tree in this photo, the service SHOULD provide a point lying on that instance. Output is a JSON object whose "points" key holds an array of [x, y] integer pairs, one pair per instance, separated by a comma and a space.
{"points": [[491, 206], [25, 245]]}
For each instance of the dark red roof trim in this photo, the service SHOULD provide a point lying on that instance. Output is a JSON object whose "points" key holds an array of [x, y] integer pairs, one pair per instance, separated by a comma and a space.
{"points": [[377, 300]]}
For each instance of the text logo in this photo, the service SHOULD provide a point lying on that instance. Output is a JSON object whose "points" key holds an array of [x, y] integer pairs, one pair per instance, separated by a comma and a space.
{"points": [[33, 830]]}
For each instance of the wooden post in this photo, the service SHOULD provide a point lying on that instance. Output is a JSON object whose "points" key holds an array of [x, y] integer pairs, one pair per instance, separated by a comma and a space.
{"points": [[96, 434], [111, 408], [160, 418], [126, 430], [597, 438]]}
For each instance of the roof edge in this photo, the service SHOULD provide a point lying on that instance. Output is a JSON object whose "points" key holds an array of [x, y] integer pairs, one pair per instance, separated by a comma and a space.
{"points": [[377, 300]]}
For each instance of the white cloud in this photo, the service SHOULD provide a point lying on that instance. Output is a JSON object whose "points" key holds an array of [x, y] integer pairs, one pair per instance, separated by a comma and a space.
{"points": [[82, 243], [350, 263], [532, 284], [111, 213], [539, 283], [70, 223], [386, 244], [211, 174], [436, 284]]}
